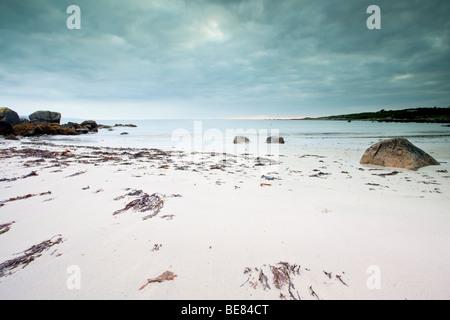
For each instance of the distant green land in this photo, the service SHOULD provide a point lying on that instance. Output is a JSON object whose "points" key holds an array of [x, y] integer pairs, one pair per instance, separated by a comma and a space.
{"points": [[437, 115]]}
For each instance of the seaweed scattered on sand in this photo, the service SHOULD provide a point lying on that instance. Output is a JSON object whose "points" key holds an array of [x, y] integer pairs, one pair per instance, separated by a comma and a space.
{"points": [[153, 203], [133, 193], [145, 203], [313, 293], [5, 227], [29, 255], [168, 275], [2, 203], [31, 174], [340, 279], [319, 174], [393, 173], [76, 174], [284, 276]]}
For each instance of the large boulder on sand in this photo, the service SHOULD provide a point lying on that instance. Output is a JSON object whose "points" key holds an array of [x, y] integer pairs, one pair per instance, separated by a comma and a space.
{"points": [[45, 117], [398, 153]]}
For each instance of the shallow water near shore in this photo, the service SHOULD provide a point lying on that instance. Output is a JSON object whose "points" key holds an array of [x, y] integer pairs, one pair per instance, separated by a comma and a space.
{"points": [[218, 135]]}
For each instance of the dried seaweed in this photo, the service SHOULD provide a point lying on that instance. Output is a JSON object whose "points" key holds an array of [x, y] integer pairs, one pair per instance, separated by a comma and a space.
{"points": [[340, 279], [29, 255], [76, 174], [313, 293], [5, 227], [25, 197], [168, 275], [264, 280], [319, 174], [282, 276], [393, 173], [134, 193], [154, 203], [31, 174]]}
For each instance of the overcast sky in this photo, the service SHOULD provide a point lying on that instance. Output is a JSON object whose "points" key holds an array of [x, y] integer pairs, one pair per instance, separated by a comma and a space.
{"points": [[145, 59]]}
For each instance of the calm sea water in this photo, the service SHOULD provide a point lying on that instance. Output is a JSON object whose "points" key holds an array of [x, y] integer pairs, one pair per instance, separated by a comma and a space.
{"points": [[218, 135]]}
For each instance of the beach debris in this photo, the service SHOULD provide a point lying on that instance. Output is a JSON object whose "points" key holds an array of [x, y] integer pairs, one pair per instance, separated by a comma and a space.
{"points": [[168, 216], [319, 174], [5, 227], [269, 178], [156, 247], [29, 255], [261, 161], [328, 274], [339, 277], [146, 202], [154, 203], [24, 197], [282, 276], [313, 293], [31, 174], [166, 276], [393, 173], [286, 277], [76, 174], [311, 156], [133, 193], [266, 185], [264, 280]]}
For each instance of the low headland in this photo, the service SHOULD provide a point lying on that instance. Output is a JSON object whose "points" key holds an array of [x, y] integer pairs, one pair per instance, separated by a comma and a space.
{"points": [[429, 115]]}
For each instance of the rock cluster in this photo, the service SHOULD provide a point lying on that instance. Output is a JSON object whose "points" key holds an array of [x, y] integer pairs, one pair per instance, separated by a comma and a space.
{"points": [[40, 128], [41, 123]]}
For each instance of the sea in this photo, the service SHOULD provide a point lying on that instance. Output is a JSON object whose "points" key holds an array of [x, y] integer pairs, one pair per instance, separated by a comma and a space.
{"points": [[218, 135]]}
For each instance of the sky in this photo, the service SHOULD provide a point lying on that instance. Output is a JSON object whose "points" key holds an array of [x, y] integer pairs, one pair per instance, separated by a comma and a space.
{"points": [[187, 59]]}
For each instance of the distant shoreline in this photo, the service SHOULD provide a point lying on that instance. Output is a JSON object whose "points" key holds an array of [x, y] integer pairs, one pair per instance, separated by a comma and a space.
{"points": [[371, 120], [417, 115]]}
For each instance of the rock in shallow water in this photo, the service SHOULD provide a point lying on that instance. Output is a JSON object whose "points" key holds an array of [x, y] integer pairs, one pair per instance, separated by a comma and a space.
{"points": [[45, 117], [275, 139], [241, 139]]}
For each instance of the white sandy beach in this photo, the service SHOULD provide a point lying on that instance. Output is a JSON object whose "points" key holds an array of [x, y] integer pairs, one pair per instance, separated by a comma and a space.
{"points": [[323, 212]]}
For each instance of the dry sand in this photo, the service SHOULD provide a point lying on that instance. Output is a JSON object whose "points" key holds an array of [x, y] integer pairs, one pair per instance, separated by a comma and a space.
{"points": [[319, 212]]}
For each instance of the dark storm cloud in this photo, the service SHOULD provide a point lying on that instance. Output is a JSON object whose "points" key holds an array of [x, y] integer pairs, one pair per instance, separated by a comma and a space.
{"points": [[225, 58]]}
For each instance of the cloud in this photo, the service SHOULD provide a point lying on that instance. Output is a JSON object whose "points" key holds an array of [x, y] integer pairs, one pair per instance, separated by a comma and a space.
{"points": [[223, 58]]}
